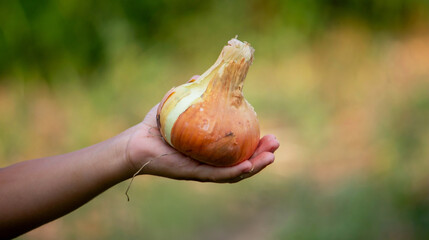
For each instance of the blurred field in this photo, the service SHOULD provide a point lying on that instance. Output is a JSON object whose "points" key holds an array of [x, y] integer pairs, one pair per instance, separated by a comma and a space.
{"points": [[343, 85]]}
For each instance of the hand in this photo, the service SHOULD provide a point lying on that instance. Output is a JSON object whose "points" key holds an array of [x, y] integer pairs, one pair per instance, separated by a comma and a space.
{"points": [[146, 146]]}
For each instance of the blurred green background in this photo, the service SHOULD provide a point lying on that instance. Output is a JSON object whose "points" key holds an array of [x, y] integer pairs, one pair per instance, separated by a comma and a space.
{"points": [[344, 85]]}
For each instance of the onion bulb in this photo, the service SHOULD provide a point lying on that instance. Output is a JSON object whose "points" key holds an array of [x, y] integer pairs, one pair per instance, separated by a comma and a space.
{"points": [[207, 118]]}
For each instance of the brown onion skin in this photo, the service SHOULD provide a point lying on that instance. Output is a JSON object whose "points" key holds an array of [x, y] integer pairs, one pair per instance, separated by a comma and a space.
{"points": [[221, 129], [226, 142]]}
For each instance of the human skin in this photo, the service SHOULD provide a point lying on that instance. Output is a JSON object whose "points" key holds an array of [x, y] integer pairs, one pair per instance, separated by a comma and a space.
{"points": [[38, 191]]}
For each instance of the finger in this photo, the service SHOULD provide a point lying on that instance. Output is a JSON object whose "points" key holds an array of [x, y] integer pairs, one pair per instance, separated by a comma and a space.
{"points": [[260, 162], [262, 157], [267, 143], [207, 173]]}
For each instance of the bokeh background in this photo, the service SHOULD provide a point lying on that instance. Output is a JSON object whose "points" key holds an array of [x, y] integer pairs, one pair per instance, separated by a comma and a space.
{"points": [[343, 84]]}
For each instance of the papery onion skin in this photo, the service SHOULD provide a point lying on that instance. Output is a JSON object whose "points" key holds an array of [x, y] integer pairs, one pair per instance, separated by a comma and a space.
{"points": [[218, 127]]}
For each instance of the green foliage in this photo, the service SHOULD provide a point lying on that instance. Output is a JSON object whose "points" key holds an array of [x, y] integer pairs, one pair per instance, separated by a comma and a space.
{"points": [[49, 37], [407, 126]]}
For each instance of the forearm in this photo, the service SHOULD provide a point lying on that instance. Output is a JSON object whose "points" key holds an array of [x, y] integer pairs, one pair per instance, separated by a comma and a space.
{"points": [[37, 191]]}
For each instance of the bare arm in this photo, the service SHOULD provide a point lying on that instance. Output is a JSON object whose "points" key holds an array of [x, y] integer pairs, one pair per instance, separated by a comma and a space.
{"points": [[37, 191]]}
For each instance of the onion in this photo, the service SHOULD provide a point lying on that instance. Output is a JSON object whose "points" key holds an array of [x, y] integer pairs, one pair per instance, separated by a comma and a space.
{"points": [[208, 118]]}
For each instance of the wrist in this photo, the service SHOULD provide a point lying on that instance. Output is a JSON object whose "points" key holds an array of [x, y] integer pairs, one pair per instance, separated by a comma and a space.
{"points": [[142, 146], [135, 148], [117, 148]]}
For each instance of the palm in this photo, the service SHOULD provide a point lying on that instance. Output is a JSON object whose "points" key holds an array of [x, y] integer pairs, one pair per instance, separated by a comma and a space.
{"points": [[146, 144]]}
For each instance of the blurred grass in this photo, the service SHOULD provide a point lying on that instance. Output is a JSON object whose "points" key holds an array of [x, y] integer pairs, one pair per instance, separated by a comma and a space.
{"points": [[344, 85]]}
